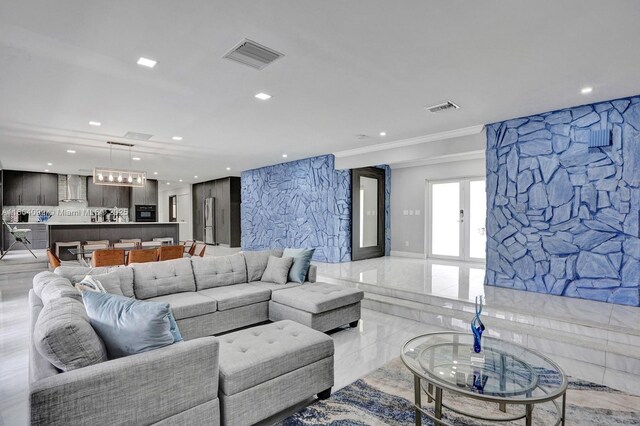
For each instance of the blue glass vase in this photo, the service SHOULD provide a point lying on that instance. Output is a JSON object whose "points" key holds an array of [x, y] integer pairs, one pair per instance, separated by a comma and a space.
{"points": [[477, 327]]}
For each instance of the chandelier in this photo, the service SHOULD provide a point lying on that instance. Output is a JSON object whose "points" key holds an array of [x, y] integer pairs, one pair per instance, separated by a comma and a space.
{"points": [[119, 177]]}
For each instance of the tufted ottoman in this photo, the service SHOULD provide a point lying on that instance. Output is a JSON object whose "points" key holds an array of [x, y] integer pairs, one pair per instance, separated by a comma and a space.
{"points": [[320, 306], [268, 368]]}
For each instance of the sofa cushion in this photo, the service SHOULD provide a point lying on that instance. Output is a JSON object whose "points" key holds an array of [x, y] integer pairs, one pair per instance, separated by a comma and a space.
{"points": [[257, 262], [301, 263], [318, 297], [129, 326], [49, 286], [277, 270], [167, 277], [274, 286], [75, 274], [63, 335], [234, 296], [188, 304], [258, 354], [216, 271]]}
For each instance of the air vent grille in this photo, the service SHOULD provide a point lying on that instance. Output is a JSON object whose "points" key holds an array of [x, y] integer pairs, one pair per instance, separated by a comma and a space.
{"points": [[138, 136], [253, 54], [442, 107]]}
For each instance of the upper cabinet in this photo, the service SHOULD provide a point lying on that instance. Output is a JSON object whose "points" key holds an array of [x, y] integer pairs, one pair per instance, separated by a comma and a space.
{"points": [[30, 189], [108, 196], [147, 195]]}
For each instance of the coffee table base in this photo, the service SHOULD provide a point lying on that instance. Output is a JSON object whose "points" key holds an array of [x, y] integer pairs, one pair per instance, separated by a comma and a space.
{"points": [[438, 406]]}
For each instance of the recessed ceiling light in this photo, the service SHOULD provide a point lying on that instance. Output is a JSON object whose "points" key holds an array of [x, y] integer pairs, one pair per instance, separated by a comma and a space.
{"points": [[136, 158], [146, 62], [168, 183], [195, 177], [263, 96], [228, 168], [155, 173], [383, 133], [586, 90], [71, 151], [284, 155], [177, 138], [180, 180], [49, 164], [95, 123], [46, 170]]}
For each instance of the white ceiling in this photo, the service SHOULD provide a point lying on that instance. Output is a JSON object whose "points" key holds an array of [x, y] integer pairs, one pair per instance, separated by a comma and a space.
{"points": [[350, 67]]}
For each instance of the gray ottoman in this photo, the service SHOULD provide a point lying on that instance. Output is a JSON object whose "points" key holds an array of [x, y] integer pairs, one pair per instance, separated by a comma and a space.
{"points": [[320, 306], [266, 369]]}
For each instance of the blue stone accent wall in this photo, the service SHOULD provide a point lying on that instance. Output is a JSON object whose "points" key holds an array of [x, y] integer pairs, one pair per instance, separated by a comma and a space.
{"points": [[563, 218], [305, 203]]}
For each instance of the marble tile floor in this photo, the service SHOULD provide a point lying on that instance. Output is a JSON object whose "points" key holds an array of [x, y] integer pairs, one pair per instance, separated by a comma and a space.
{"points": [[358, 351], [594, 341]]}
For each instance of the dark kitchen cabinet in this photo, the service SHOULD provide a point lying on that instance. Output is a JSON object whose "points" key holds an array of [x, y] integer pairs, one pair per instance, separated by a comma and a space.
{"points": [[106, 196], [226, 192], [30, 189], [145, 196], [12, 188]]}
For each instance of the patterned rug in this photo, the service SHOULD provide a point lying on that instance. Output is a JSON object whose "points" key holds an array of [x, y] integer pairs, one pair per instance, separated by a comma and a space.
{"points": [[385, 397]]}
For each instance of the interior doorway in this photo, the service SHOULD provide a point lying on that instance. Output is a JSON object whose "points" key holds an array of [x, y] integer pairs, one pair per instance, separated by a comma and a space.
{"points": [[367, 213], [457, 219]]}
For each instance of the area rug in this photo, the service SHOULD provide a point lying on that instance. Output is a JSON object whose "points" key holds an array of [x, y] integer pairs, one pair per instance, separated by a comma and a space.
{"points": [[384, 397]]}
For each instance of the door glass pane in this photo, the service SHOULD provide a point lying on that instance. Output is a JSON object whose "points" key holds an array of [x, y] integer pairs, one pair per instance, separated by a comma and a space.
{"points": [[368, 212], [477, 216], [445, 214]]}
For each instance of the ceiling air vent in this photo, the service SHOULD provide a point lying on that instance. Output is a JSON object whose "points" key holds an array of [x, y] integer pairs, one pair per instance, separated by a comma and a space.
{"points": [[253, 54], [138, 136], [442, 107]]}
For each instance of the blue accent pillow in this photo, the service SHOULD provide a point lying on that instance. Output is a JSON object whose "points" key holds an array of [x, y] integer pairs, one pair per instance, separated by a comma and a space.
{"points": [[128, 326], [301, 262]]}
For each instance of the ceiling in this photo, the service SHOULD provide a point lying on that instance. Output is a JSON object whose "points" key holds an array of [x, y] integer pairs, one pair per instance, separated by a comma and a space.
{"points": [[350, 67]]}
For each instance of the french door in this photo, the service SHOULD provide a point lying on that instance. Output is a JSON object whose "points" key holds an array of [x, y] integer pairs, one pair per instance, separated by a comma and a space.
{"points": [[456, 219]]}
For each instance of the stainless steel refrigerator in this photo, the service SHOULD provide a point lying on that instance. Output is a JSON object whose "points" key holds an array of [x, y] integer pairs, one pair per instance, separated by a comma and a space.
{"points": [[210, 221]]}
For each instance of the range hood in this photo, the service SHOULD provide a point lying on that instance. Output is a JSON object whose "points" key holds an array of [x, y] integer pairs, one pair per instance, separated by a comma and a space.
{"points": [[75, 188]]}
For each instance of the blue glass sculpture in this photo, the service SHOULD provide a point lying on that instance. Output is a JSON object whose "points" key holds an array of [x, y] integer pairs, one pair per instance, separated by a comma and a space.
{"points": [[477, 327]]}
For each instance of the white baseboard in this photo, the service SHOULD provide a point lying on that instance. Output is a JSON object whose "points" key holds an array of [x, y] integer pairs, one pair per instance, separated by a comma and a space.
{"points": [[407, 254]]}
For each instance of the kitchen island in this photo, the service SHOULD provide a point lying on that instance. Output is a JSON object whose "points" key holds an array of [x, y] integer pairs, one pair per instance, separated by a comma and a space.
{"points": [[112, 231]]}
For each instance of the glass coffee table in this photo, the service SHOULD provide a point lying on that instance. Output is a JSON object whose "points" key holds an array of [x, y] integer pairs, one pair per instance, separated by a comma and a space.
{"points": [[504, 373]]}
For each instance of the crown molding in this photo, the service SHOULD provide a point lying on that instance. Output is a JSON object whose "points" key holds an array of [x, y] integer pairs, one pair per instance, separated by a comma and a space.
{"points": [[465, 156], [465, 131]]}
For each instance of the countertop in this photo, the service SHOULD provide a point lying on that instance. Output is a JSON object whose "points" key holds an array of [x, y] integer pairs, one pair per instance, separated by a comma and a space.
{"points": [[92, 223]]}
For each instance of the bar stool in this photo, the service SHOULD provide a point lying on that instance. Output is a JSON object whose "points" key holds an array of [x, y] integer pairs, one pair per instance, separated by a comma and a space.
{"points": [[165, 240]]}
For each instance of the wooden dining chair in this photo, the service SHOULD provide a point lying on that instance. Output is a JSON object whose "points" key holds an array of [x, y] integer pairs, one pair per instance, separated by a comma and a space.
{"points": [[131, 240], [170, 252], [187, 246], [108, 257], [98, 242], [94, 245], [54, 261], [142, 256], [149, 244]]}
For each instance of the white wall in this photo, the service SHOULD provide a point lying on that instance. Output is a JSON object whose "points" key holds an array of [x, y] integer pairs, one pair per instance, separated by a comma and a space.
{"points": [[184, 196], [408, 188]]}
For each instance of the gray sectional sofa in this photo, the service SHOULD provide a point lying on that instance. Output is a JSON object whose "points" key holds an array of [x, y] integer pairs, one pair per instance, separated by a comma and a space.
{"points": [[204, 380]]}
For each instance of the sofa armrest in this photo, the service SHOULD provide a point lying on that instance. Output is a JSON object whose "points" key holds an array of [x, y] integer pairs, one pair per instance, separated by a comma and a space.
{"points": [[312, 274], [138, 389]]}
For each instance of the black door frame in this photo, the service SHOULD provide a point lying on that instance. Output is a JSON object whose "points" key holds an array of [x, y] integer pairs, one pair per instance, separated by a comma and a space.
{"points": [[358, 253]]}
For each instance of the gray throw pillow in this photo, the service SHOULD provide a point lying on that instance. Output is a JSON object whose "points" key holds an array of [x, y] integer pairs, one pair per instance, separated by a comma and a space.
{"points": [[277, 270], [64, 337], [257, 262], [118, 281]]}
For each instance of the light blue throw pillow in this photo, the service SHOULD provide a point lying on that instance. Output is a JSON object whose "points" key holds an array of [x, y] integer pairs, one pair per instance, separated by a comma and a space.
{"points": [[301, 262], [129, 326]]}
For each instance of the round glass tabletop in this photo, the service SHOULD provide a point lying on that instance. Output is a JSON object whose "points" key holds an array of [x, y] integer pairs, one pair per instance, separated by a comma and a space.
{"points": [[501, 371]]}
